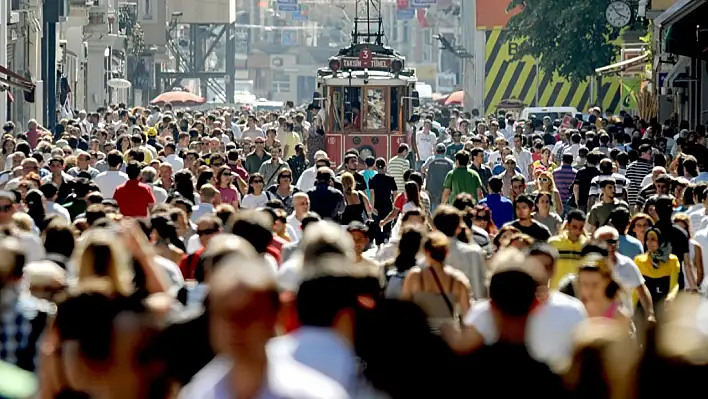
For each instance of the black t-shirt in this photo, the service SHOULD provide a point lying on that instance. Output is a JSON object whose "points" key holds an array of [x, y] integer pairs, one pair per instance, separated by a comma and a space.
{"points": [[583, 179], [359, 179], [537, 231], [384, 186]]}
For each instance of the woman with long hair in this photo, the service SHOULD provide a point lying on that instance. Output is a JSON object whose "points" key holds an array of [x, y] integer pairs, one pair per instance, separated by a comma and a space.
{"points": [[123, 143], [205, 177], [257, 197], [545, 160], [284, 189], [407, 257], [483, 220], [599, 291], [544, 214], [442, 291], [184, 186], [638, 226], [357, 206], [7, 148], [229, 192], [34, 200], [545, 182], [164, 237]]}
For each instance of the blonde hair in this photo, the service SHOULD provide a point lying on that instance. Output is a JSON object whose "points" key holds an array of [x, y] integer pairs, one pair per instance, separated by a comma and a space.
{"points": [[348, 182], [551, 181], [23, 221], [113, 277]]}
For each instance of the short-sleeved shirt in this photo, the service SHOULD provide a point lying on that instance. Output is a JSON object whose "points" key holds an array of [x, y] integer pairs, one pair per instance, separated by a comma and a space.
{"points": [[134, 198], [438, 167], [600, 213], [383, 185], [462, 180], [536, 230], [397, 166]]}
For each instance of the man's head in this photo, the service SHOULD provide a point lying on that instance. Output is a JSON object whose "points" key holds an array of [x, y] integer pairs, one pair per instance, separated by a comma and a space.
{"points": [[447, 220], [518, 141], [607, 187], [663, 183], [351, 162], [7, 206], [524, 206], [518, 185], [610, 236], [301, 203], [510, 164], [575, 224], [208, 194], [360, 235], [462, 158], [403, 150], [645, 152], [133, 170], [208, 227]]}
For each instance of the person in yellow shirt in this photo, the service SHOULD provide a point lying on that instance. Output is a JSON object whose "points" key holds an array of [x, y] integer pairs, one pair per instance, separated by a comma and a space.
{"points": [[659, 267], [569, 244], [290, 139]]}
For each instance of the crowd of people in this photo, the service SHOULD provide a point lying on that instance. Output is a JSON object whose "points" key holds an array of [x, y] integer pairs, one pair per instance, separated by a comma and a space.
{"points": [[172, 253]]}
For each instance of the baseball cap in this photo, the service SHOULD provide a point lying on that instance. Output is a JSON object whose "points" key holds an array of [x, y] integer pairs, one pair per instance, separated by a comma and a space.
{"points": [[510, 158], [440, 147], [321, 155]]}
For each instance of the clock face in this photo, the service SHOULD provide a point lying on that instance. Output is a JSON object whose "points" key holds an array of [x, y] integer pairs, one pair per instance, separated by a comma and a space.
{"points": [[618, 14]]}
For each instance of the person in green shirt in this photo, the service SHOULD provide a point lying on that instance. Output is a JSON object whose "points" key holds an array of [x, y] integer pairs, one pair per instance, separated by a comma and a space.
{"points": [[461, 180]]}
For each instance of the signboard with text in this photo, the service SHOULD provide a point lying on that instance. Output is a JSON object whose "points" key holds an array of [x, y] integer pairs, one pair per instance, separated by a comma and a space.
{"points": [[382, 63]]}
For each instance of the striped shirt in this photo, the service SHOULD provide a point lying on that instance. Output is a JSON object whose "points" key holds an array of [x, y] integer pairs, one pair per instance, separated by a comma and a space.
{"points": [[564, 178], [620, 184], [397, 166], [636, 172]]}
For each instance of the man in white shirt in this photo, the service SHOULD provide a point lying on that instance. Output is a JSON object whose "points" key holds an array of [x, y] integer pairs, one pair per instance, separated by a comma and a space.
{"points": [[546, 326], [301, 206], [207, 196], [50, 192], [426, 141], [523, 157], [148, 176], [109, 180], [172, 158], [308, 178]]}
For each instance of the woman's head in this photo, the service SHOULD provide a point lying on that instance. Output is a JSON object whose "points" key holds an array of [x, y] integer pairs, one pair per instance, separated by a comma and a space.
{"points": [[595, 279], [653, 240], [545, 154], [348, 182], [224, 176], [256, 182], [639, 224], [543, 202], [545, 182], [683, 221], [102, 262], [285, 177], [505, 233], [436, 247], [409, 246], [483, 218], [413, 192], [205, 177]]}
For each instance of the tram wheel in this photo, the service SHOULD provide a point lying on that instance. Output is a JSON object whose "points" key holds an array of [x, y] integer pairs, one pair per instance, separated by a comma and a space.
{"points": [[366, 151]]}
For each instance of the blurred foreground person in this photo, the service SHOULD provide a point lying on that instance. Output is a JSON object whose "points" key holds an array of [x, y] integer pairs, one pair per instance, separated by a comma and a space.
{"points": [[243, 317]]}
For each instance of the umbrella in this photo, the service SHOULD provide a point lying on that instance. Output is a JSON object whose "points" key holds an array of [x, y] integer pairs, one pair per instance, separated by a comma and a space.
{"points": [[457, 97], [175, 97]]}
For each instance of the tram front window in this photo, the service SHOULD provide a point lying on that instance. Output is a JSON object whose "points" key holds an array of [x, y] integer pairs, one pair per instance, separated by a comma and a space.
{"points": [[375, 108], [352, 108]]}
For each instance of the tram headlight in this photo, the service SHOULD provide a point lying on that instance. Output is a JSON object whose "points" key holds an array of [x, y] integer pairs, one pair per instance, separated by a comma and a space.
{"points": [[334, 65], [396, 66]]}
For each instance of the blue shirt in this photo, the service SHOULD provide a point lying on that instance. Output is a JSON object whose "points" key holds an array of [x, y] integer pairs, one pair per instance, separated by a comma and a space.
{"points": [[502, 209], [630, 246], [703, 176], [368, 174], [499, 169]]}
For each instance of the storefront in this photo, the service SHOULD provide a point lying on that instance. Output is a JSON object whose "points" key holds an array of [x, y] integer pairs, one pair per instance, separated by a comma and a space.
{"points": [[681, 61]]}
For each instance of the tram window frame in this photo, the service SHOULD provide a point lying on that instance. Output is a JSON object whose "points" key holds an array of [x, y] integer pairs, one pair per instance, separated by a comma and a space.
{"points": [[338, 105], [386, 123]]}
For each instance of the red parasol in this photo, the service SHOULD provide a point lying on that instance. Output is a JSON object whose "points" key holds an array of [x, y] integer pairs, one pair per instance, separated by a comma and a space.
{"points": [[457, 97], [183, 98]]}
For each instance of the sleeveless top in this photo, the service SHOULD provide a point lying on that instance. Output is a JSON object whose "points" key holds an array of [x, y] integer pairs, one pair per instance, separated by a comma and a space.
{"points": [[434, 304], [353, 212]]}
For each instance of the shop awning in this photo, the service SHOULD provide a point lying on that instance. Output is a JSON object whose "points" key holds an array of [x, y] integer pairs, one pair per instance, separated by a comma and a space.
{"points": [[678, 10], [622, 65], [15, 80]]}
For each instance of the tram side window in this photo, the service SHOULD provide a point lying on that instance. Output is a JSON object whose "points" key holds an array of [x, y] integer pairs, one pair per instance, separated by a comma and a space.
{"points": [[352, 108], [336, 109], [395, 108], [375, 108]]}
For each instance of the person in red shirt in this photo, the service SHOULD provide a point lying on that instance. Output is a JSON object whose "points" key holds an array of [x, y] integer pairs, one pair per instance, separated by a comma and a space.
{"points": [[133, 197], [208, 227]]}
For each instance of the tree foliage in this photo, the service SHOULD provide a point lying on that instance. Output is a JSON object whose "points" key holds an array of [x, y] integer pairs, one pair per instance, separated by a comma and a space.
{"points": [[570, 38]]}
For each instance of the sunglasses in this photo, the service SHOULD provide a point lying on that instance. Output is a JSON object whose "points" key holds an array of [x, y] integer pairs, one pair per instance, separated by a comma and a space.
{"points": [[642, 225], [480, 217], [257, 181], [611, 241], [511, 163], [5, 208], [206, 232], [285, 176], [260, 142], [544, 180]]}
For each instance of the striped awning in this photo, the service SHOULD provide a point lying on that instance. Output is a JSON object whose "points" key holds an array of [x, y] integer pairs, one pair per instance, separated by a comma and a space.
{"points": [[622, 65]]}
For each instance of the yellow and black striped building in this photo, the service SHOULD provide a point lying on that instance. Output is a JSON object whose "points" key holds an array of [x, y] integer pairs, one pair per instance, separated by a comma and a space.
{"points": [[506, 78]]}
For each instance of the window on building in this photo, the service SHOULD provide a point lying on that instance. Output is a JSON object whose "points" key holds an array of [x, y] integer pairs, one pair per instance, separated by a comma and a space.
{"points": [[280, 82]]}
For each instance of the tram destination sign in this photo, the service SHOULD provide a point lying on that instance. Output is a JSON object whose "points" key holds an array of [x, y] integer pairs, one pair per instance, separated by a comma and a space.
{"points": [[374, 63]]}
